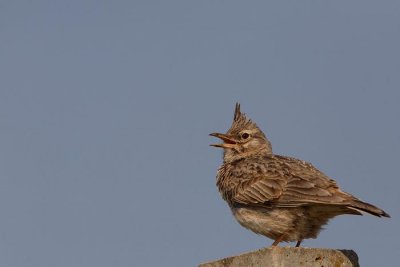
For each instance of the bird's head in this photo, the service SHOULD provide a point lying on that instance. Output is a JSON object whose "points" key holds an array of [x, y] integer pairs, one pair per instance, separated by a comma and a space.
{"points": [[244, 138]]}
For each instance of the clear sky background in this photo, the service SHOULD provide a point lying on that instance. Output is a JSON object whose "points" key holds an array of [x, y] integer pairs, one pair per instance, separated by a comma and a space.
{"points": [[106, 107]]}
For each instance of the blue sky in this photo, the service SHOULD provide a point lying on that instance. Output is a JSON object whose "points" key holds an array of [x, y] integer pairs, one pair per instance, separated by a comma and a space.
{"points": [[106, 107]]}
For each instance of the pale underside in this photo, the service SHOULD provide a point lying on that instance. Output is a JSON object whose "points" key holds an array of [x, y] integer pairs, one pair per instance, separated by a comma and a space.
{"points": [[295, 224]]}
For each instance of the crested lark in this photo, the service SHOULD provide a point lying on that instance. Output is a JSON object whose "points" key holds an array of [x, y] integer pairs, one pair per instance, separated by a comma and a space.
{"points": [[280, 197]]}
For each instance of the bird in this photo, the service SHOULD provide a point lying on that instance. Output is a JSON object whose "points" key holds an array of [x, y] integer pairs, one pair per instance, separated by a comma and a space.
{"points": [[280, 197]]}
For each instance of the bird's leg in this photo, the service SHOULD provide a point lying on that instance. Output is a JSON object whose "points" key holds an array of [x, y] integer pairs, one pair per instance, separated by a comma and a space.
{"points": [[278, 240], [298, 243]]}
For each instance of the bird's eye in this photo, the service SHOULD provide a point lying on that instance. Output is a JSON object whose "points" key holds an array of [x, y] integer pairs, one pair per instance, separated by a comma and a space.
{"points": [[245, 135]]}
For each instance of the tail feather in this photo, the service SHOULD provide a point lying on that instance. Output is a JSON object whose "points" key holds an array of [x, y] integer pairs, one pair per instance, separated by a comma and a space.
{"points": [[369, 208]]}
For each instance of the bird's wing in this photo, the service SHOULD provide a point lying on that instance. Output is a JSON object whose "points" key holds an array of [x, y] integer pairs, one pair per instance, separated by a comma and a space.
{"points": [[259, 190], [288, 182]]}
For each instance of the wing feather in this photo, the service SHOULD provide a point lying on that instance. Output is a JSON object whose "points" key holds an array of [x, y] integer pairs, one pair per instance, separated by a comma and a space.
{"points": [[287, 182]]}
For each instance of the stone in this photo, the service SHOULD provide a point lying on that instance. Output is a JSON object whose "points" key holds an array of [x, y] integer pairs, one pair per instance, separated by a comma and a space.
{"points": [[290, 256]]}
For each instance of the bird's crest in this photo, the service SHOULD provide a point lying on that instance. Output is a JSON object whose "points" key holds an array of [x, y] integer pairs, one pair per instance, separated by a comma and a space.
{"points": [[240, 121], [237, 112]]}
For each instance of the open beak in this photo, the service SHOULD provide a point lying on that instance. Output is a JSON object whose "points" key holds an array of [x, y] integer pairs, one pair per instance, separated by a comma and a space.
{"points": [[229, 142]]}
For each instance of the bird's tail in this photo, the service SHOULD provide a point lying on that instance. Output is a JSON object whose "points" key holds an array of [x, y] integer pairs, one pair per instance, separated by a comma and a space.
{"points": [[369, 208]]}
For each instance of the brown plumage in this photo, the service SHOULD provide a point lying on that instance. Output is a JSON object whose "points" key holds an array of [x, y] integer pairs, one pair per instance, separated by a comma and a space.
{"points": [[280, 197]]}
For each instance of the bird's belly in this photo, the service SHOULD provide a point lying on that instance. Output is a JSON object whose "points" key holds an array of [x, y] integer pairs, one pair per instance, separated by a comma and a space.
{"points": [[271, 222]]}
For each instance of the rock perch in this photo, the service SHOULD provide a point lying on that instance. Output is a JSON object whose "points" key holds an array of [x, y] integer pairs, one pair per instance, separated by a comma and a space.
{"points": [[289, 257]]}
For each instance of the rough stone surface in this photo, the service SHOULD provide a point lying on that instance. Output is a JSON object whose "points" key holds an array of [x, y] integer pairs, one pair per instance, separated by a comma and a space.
{"points": [[290, 256]]}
